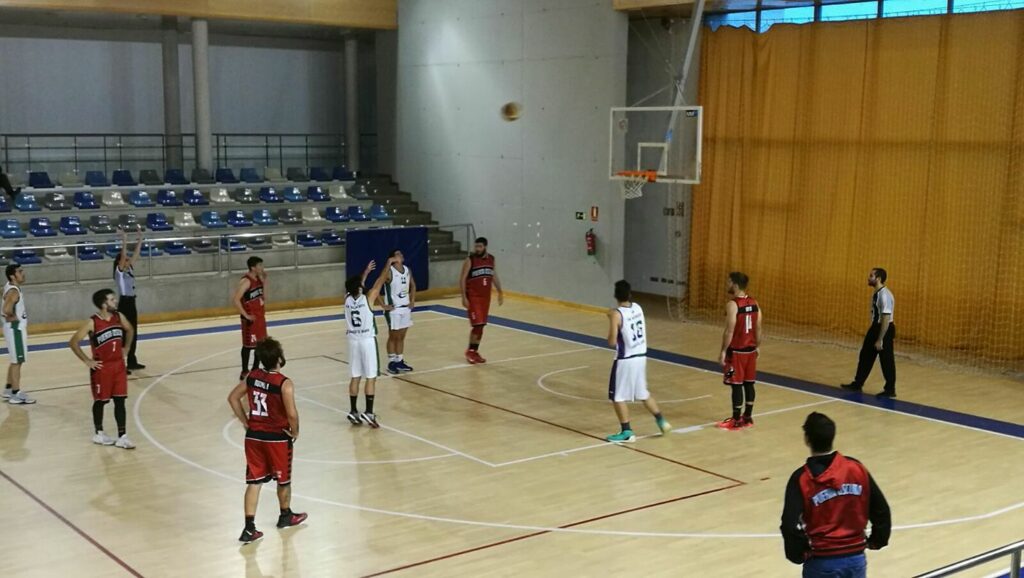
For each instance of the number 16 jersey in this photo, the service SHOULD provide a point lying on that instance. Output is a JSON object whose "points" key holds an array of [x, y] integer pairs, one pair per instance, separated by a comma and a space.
{"points": [[633, 333], [359, 318]]}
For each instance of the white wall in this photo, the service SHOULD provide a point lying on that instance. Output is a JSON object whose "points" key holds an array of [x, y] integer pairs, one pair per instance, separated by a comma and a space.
{"points": [[657, 245], [520, 183]]}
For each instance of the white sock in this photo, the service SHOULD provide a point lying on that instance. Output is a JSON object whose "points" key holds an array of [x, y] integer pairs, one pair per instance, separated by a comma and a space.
{"points": [[399, 358], [392, 357]]}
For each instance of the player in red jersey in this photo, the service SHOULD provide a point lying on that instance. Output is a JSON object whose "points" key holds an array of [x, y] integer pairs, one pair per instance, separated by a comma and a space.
{"points": [[250, 300], [265, 404], [108, 374], [478, 277], [740, 341]]}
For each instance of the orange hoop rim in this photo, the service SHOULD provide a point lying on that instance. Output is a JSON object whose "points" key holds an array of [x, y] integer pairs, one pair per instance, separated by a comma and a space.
{"points": [[649, 176]]}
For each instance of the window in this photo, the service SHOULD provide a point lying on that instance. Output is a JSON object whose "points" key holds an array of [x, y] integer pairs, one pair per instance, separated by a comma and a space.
{"points": [[792, 15], [854, 11], [983, 5], [913, 7], [736, 19]]}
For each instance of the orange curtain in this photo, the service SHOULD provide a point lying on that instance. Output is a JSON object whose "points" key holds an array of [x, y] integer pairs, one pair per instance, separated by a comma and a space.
{"points": [[832, 148]]}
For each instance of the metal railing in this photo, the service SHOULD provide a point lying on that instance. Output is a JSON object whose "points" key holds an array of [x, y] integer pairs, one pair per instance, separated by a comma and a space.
{"points": [[1013, 550]]}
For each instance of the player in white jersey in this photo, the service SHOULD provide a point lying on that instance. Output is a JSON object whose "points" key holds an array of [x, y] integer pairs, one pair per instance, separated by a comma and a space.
{"points": [[627, 333], [363, 355], [15, 333], [399, 299]]}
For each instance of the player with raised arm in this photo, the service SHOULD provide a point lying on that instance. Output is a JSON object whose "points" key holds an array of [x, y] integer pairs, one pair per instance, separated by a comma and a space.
{"points": [[627, 333], [740, 342], [363, 354], [265, 404], [478, 277], [399, 299], [250, 300]]}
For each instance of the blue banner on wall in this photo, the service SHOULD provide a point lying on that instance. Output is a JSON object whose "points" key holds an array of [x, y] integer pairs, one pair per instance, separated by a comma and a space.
{"points": [[365, 245]]}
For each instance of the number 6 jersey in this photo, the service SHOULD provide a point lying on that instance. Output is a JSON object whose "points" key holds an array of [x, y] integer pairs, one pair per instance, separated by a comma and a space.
{"points": [[359, 318], [632, 334]]}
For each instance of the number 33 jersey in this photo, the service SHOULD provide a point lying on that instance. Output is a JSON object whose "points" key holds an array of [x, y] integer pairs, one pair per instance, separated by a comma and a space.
{"points": [[632, 333], [266, 405]]}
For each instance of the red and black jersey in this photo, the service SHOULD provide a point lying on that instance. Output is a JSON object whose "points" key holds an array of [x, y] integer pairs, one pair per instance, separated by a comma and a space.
{"points": [[252, 300], [267, 416], [744, 336], [107, 339], [829, 502], [481, 276]]}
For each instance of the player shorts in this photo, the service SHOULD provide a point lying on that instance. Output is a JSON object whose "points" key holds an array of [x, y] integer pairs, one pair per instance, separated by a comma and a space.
{"points": [[479, 307], [109, 381], [740, 367], [16, 337], [253, 331], [363, 358], [398, 318], [267, 460], [628, 381]]}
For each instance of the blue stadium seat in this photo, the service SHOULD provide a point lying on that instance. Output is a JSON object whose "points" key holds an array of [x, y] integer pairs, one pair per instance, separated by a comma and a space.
{"points": [[249, 175], [296, 175], [317, 194], [26, 257], [96, 179], [308, 239], [212, 220], [289, 217], [175, 177], [226, 175], [335, 215], [379, 213], [56, 202], [88, 252], [158, 222], [72, 226], [231, 245], [356, 213], [150, 177], [85, 200], [269, 195], [5, 204], [319, 174], [292, 195], [202, 176], [41, 227], [245, 195], [343, 174], [123, 178], [168, 198], [263, 218], [177, 248], [150, 249], [39, 180], [129, 223], [332, 238], [238, 219], [195, 198], [140, 199], [11, 229], [203, 246], [101, 224], [26, 202]]}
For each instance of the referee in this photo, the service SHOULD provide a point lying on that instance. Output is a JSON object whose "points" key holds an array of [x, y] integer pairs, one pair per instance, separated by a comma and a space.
{"points": [[879, 338], [124, 275], [829, 502]]}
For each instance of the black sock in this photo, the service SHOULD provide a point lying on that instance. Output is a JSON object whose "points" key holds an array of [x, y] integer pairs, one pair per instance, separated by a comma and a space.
{"points": [[352, 399], [245, 359], [97, 415], [749, 410], [286, 511], [657, 417], [626, 427], [369, 404], [250, 523], [255, 362], [735, 412], [474, 346], [15, 391], [120, 415], [8, 386]]}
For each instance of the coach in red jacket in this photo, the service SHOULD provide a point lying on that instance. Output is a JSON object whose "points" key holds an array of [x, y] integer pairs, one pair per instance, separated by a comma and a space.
{"points": [[829, 502]]}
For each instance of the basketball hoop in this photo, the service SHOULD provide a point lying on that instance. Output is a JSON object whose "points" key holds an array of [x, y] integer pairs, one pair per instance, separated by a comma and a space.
{"points": [[632, 182]]}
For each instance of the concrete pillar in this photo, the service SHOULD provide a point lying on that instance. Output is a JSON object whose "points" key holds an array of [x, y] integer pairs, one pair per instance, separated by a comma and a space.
{"points": [[201, 85], [172, 94], [351, 103]]}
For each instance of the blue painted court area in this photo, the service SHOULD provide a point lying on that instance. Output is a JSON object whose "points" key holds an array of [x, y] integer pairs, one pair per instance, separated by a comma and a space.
{"points": [[899, 406]]}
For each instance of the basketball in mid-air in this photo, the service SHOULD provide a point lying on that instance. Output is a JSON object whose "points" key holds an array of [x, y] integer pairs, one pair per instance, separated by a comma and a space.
{"points": [[511, 111]]}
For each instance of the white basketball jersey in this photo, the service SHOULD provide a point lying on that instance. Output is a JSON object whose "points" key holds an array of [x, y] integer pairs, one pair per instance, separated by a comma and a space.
{"points": [[19, 307], [396, 293], [632, 334], [359, 318]]}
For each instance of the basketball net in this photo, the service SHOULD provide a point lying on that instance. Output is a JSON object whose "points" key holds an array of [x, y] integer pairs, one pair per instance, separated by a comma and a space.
{"points": [[632, 182]]}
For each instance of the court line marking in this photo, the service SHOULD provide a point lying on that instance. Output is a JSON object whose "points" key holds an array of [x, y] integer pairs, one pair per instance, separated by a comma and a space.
{"points": [[540, 384], [53, 511], [232, 441], [410, 515]]}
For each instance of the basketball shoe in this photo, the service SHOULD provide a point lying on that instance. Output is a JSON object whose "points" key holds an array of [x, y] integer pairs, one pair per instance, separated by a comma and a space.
{"points": [[730, 423], [370, 419], [250, 536], [102, 439], [474, 357], [20, 399], [402, 366], [664, 426], [622, 436], [353, 417], [746, 421], [291, 519], [124, 443], [393, 368]]}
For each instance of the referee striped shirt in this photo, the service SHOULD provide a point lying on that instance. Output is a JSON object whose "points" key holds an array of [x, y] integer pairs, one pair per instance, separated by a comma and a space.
{"points": [[125, 281], [882, 303]]}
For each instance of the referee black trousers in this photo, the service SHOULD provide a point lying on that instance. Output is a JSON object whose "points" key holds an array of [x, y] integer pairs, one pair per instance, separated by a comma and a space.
{"points": [[868, 353], [126, 306]]}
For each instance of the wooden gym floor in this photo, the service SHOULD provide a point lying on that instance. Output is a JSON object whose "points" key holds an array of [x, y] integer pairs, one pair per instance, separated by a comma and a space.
{"points": [[491, 470]]}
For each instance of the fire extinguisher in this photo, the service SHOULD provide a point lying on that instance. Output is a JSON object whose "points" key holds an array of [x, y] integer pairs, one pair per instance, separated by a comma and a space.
{"points": [[591, 239]]}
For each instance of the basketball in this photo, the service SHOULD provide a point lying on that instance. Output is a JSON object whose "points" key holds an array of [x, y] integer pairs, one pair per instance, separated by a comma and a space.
{"points": [[511, 111]]}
